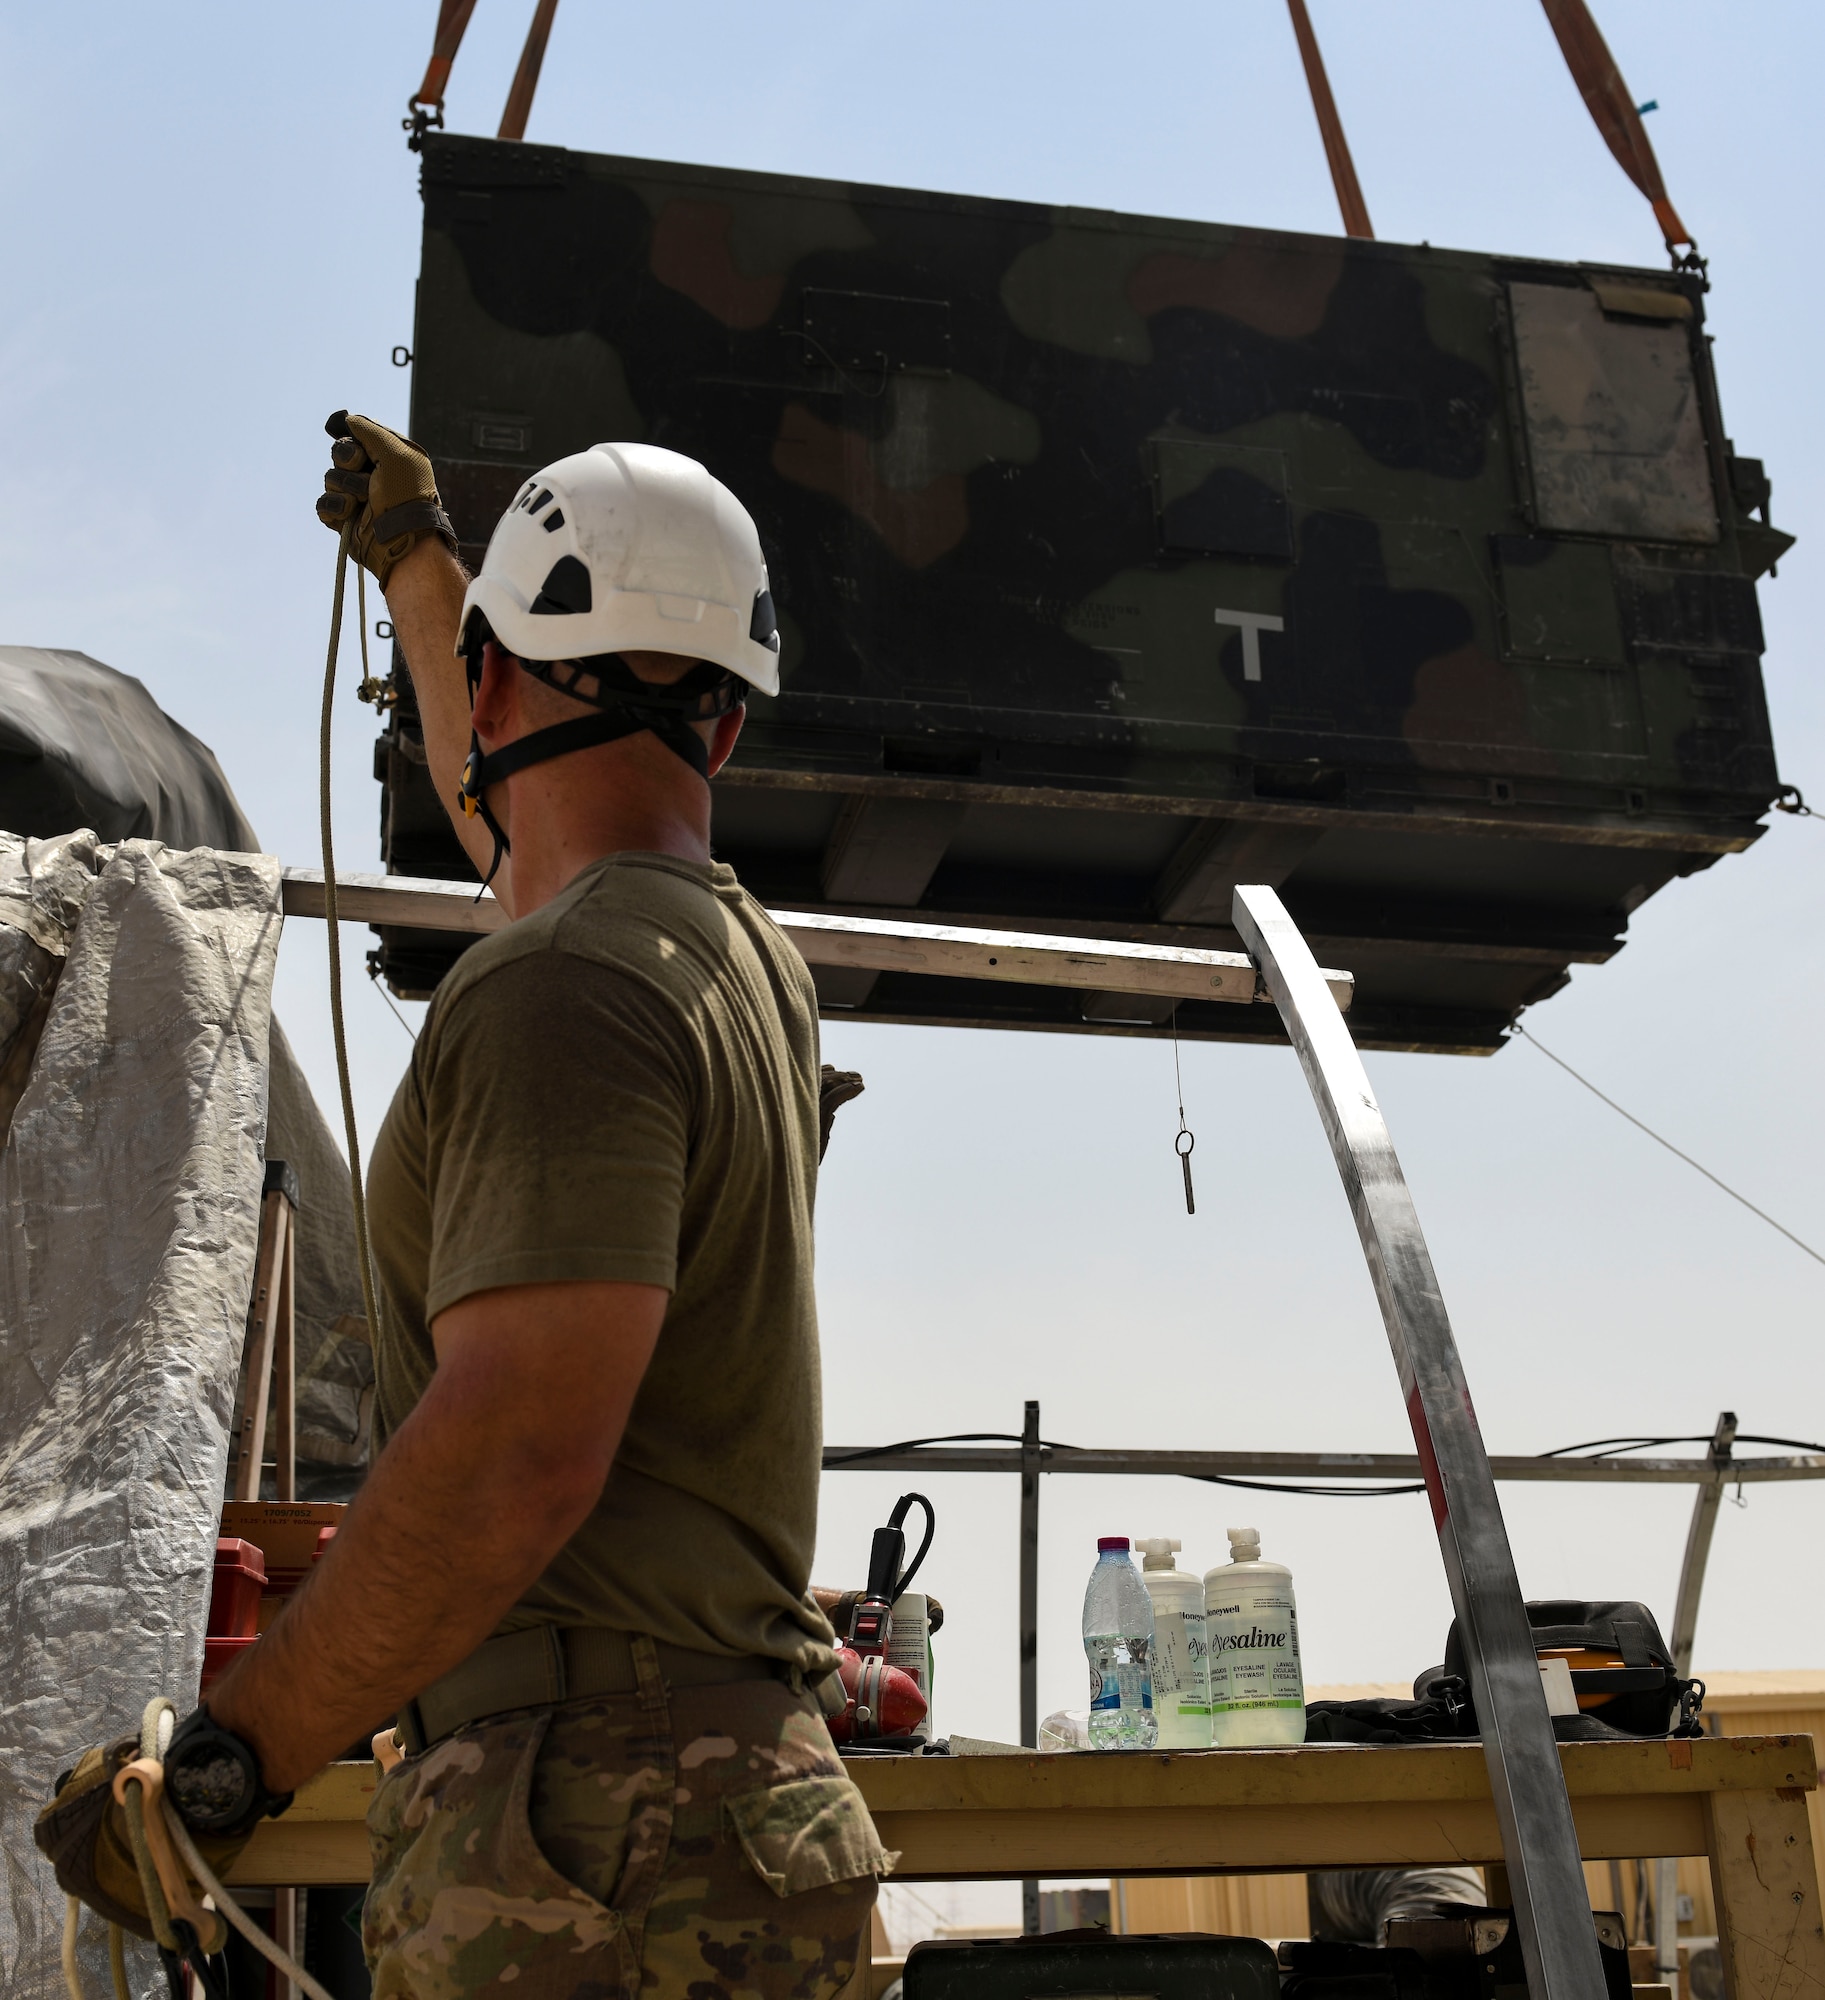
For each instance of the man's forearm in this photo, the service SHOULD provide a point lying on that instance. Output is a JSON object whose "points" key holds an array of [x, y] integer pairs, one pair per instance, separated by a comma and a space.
{"points": [[447, 1533], [425, 600]]}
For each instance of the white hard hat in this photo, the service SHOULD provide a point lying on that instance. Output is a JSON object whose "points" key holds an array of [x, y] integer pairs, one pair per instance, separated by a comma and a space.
{"points": [[629, 548]]}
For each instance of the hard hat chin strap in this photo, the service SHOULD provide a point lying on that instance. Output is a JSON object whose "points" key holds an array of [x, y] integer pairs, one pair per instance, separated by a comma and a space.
{"points": [[626, 706]]}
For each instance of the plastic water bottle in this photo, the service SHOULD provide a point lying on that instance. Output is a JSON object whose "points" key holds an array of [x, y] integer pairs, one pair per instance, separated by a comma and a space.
{"points": [[1118, 1636]]}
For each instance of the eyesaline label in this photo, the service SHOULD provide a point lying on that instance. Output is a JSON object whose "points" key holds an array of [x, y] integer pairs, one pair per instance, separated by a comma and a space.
{"points": [[1254, 1651]]}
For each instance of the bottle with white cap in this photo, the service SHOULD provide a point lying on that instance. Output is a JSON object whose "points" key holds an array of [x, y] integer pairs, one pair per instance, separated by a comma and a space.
{"points": [[1181, 1673], [1257, 1691]]}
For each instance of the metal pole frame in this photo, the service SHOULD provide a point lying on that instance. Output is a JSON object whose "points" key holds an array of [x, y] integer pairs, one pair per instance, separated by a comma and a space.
{"points": [[1029, 1622], [1539, 1841], [1685, 1630]]}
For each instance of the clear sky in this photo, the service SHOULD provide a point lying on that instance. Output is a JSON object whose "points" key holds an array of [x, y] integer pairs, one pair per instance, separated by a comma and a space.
{"points": [[210, 240]]}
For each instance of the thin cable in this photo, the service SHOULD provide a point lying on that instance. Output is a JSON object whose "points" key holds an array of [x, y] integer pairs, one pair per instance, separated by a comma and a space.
{"points": [[288, 1967], [357, 1201], [1052, 1444], [1816, 1257], [1312, 1492], [1184, 1151], [1695, 1437], [379, 985]]}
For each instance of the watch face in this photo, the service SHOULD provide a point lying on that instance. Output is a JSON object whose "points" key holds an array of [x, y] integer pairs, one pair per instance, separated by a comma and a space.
{"points": [[212, 1783]]}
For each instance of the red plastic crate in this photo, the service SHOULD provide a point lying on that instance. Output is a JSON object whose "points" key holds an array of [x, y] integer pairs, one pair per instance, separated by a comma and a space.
{"points": [[234, 1599]]}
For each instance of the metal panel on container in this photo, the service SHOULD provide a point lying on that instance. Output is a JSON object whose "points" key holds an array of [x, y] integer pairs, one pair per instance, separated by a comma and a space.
{"points": [[1121, 559]]}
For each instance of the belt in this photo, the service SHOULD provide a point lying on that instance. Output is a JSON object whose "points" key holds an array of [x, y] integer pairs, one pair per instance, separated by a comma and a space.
{"points": [[547, 1664]]}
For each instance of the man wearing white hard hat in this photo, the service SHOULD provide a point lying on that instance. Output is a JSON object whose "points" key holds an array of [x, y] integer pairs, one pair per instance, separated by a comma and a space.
{"points": [[578, 1571]]}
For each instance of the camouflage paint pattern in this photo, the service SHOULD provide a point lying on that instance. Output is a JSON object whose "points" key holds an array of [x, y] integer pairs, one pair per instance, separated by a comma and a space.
{"points": [[1115, 554], [704, 1844]]}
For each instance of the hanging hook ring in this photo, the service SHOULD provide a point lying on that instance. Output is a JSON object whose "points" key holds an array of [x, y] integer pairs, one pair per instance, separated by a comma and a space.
{"points": [[1189, 1141]]}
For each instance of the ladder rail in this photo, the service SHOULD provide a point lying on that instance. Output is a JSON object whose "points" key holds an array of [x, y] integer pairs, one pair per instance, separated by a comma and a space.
{"points": [[1539, 1840]]}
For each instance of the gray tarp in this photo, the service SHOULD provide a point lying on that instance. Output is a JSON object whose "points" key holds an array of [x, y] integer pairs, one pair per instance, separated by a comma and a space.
{"points": [[84, 746], [129, 1214]]}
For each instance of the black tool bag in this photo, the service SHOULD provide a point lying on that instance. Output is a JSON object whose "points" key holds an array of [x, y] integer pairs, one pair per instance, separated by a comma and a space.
{"points": [[1470, 1954], [1171, 1966], [1644, 1696]]}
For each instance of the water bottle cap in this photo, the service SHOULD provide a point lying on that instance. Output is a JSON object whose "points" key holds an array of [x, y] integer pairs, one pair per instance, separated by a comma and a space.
{"points": [[1104, 1543]]}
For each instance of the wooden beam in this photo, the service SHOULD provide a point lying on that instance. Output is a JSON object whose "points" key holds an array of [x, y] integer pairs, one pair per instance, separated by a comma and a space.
{"points": [[1020, 958], [1248, 1812]]}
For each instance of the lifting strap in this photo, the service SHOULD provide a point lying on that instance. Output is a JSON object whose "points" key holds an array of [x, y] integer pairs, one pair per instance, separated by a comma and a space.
{"points": [[452, 19], [1330, 126], [526, 77], [1600, 83]]}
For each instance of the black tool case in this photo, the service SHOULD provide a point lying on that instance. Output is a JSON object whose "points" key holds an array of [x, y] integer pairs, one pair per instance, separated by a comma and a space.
{"points": [[1472, 1954], [1190, 1966]]}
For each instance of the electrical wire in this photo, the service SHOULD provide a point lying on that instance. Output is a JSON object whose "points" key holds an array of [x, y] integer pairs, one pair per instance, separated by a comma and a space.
{"points": [[356, 1197], [1815, 1255], [1647, 1443], [1328, 1492], [374, 975]]}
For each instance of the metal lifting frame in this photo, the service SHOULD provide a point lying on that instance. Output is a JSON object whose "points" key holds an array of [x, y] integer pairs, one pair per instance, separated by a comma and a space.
{"points": [[1539, 1841]]}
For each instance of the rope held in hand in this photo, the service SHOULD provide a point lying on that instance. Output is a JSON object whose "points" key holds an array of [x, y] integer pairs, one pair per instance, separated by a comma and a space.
{"points": [[356, 1196], [155, 1736]]}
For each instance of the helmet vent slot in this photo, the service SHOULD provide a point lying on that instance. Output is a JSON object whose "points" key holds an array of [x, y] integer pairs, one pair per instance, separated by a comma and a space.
{"points": [[566, 590], [544, 499], [553, 521]]}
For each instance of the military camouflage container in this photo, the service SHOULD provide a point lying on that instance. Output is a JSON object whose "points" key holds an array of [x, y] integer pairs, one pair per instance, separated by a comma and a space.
{"points": [[1119, 560]]}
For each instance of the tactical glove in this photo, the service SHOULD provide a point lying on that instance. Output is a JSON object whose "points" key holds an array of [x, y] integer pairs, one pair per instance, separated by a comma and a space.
{"points": [[83, 1832], [835, 1087], [381, 486]]}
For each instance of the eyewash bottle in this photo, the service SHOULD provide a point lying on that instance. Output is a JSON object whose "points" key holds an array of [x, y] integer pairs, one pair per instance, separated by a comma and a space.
{"points": [[1181, 1671], [1257, 1692]]}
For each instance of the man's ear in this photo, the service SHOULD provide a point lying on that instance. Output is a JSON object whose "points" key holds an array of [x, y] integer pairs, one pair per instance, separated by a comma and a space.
{"points": [[494, 709], [722, 738]]}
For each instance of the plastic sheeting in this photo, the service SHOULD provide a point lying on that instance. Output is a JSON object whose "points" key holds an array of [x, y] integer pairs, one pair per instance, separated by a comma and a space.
{"points": [[335, 1364], [85, 746], [129, 1217]]}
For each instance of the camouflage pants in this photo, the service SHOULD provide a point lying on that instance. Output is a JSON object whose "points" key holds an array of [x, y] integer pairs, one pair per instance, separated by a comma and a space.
{"points": [[687, 1843]]}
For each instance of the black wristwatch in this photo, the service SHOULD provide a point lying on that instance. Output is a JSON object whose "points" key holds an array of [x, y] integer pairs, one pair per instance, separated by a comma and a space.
{"points": [[214, 1779]]}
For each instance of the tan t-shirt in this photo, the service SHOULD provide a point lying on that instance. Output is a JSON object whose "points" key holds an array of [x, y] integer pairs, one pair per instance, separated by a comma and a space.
{"points": [[624, 1085]]}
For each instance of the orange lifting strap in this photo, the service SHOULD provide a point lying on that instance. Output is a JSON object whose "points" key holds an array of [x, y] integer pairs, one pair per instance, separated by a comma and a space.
{"points": [[1594, 71], [1336, 147], [452, 20]]}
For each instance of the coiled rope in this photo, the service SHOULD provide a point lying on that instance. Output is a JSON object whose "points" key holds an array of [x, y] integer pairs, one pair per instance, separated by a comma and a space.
{"points": [[146, 1776]]}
